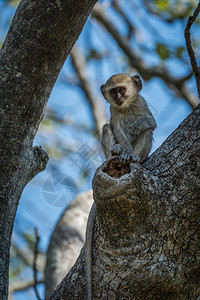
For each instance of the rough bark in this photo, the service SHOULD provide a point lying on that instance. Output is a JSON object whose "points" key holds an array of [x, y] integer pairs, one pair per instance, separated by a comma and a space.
{"points": [[66, 241], [146, 237], [39, 40]]}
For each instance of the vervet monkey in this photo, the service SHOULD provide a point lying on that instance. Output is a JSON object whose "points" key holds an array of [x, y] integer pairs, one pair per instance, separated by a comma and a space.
{"points": [[129, 135], [130, 132]]}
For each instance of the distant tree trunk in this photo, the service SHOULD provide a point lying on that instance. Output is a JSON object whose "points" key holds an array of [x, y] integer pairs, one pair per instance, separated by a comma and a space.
{"points": [[40, 38], [147, 230], [66, 241]]}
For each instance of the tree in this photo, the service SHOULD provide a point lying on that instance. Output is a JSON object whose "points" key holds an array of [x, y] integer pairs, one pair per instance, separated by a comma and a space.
{"points": [[41, 71], [146, 237], [31, 58]]}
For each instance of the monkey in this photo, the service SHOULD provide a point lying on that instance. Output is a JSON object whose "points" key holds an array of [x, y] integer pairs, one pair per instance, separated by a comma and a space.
{"points": [[128, 135], [130, 132]]}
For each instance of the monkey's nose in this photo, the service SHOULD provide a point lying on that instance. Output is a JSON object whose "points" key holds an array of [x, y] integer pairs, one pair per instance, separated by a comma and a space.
{"points": [[119, 96]]}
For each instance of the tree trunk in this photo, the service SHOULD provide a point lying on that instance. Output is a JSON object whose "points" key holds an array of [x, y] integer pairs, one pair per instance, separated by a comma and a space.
{"points": [[146, 237], [40, 38], [66, 241]]}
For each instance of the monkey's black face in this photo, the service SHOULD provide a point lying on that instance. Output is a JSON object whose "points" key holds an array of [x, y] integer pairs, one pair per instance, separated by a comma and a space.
{"points": [[118, 94]]}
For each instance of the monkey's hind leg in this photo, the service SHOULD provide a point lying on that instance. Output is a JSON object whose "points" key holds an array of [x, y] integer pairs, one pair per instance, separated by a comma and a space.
{"points": [[143, 144], [108, 142]]}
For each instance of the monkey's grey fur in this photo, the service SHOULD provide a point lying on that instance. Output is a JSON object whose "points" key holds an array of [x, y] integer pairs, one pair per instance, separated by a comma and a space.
{"points": [[129, 135], [130, 132]]}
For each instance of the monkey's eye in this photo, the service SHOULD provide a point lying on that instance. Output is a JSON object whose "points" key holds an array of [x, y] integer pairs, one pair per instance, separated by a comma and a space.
{"points": [[112, 92], [121, 90]]}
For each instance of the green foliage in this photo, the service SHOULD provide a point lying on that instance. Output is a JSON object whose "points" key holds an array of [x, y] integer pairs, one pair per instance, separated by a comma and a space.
{"points": [[19, 258], [175, 9], [93, 54], [13, 2], [162, 5], [17, 265], [179, 52], [30, 240], [162, 51]]}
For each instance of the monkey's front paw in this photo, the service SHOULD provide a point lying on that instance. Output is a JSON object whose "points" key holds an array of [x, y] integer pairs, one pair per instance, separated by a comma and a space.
{"points": [[136, 128], [127, 157], [135, 158], [116, 150]]}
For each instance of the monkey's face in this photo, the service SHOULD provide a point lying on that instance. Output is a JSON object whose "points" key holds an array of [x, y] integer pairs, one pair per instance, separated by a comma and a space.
{"points": [[121, 89], [118, 95]]}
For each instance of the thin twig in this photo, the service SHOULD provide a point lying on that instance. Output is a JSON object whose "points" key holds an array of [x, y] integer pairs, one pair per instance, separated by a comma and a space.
{"points": [[34, 263], [126, 19], [190, 51]]}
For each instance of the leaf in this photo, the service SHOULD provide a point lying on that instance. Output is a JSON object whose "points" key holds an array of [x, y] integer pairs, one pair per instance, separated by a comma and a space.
{"points": [[93, 54], [162, 51], [30, 239], [162, 5], [13, 2], [179, 52]]}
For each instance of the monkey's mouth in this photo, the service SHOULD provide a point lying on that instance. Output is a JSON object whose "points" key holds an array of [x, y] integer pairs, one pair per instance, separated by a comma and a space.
{"points": [[120, 103]]}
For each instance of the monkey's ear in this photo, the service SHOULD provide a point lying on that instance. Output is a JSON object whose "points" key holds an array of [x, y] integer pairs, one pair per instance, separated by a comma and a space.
{"points": [[102, 88], [138, 82]]}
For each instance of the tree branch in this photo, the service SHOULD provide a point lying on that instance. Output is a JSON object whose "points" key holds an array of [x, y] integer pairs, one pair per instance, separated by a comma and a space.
{"points": [[145, 71], [79, 64], [149, 8], [35, 263], [23, 286], [117, 7], [147, 229], [66, 241], [190, 51]]}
